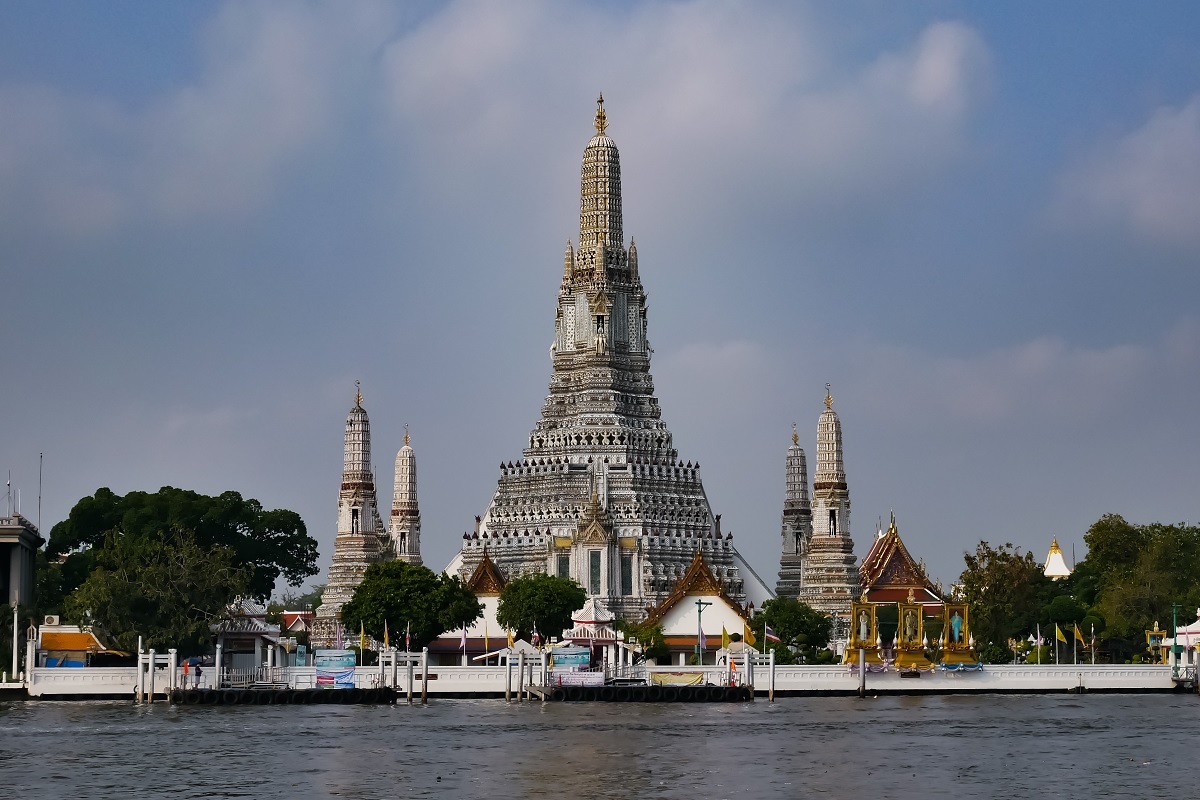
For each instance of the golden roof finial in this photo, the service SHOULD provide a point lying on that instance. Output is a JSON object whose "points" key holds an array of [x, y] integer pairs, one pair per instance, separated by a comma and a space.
{"points": [[828, 397], [406, 434], [601, 122], [357, 393], [795, 436]]}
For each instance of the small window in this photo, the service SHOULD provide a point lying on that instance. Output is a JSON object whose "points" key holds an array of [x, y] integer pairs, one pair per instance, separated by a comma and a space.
{"points": [[626, 575], [594, 572], [564, 566]]}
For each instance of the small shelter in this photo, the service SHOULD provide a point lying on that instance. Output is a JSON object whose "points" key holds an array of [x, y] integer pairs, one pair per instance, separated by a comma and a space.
{"points": [[247, 641], [67, 646], [592, 627], [484, 633], [695, 613]]}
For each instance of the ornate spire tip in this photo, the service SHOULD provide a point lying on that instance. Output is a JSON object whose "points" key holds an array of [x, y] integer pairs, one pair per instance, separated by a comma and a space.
{"points": [[406, 434], [601, 122], [357, 393], [828, 397], [795, 436]]}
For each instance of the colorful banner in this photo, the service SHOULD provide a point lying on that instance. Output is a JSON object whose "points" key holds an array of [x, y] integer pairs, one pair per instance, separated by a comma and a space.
{"points": [[335, 668], [571, 657]]}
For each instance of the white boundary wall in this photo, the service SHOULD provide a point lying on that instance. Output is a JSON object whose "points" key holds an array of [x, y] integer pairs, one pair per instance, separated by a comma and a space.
{"points": [[119, 682]]}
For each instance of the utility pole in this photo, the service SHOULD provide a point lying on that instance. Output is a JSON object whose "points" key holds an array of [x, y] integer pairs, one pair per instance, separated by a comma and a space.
{"points": [[1176, 650], [700, 606]]}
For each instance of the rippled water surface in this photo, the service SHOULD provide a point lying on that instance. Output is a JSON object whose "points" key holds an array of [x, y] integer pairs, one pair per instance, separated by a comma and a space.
{"points": [[964, 747]]}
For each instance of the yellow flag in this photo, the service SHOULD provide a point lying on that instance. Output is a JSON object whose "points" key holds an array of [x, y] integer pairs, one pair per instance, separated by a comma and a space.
{"points": [[362, 637], [485, 636], [511, 643], [1058, 634], [1079, 634], [724, 638], [385, 634], [748, 635]]}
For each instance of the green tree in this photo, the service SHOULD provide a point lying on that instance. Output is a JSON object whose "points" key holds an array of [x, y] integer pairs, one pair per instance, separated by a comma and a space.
{"points": [[167, 589], [1005, 590], [269, 543], [399, 594], [1065, 610], [802, 630], [300, 601], [1139, 571], [650, 636], [541, 602]]}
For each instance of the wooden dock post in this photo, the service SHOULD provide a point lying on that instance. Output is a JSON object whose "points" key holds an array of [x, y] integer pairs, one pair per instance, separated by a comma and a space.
{"points": [[508, 678], [424, 676], [521, 677]]}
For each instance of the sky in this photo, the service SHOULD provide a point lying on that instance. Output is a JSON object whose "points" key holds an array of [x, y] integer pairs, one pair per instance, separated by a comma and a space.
{"points": [[980, 223]]}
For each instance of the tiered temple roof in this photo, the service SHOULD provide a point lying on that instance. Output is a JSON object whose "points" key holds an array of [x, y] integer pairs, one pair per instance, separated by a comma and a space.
{"points": [[889, 574]]}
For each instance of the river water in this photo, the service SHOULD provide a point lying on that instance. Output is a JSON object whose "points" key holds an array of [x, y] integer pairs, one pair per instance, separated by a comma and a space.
{"points": [[1024, 746]]}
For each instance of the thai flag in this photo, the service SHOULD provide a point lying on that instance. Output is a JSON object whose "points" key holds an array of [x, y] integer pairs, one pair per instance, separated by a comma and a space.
{"points": [[770, 635]]}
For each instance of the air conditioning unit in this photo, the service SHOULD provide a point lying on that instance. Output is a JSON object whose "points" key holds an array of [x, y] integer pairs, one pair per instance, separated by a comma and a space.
{"points": [[51, 619]]}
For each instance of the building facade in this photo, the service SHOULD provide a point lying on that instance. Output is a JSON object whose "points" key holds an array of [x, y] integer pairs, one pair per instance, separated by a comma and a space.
{"points": [[600, 493]]}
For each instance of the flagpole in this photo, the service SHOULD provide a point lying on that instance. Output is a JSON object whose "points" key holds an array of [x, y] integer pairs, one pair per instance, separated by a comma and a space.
{"points": [[1093, 644], [1039, 643]]}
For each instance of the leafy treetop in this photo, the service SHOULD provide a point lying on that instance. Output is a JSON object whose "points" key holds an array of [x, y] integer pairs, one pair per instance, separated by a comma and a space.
{"points": [[268, 543], [541, 602], [399, 594]]}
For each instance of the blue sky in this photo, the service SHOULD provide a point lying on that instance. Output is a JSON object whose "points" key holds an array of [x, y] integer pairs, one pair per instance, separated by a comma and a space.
{"points": [[979, 222]]}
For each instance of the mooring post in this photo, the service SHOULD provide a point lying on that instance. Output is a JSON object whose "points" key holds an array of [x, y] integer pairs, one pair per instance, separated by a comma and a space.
{"points": [[151, 692], [771, 679], [521, 677], [862, 672], [173, 664], [508, 677], [218, 660], [424, 676], [409, 667]]}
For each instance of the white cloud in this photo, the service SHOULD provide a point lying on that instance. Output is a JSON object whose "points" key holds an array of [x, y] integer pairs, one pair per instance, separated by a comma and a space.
{"points": [[1147, 180], [270, 89], [720, 103]]}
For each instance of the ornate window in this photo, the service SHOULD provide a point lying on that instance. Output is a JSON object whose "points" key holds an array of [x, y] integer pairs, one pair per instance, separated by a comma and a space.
{"points": [[594, 572]]}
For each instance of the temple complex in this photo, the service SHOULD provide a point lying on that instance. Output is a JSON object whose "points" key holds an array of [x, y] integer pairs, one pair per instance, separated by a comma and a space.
{"points": [[600, 494], [361, 538]]}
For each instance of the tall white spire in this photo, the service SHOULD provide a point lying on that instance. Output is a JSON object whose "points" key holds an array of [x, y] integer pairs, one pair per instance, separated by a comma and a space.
{"points": [[797, 521], [830, 569], [361, 538], [405, 524]]}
